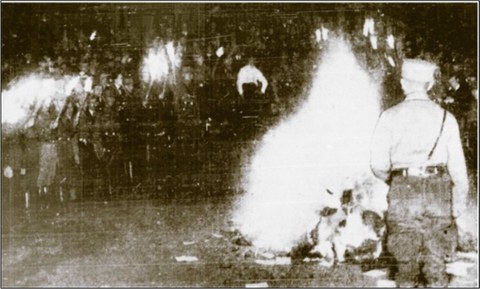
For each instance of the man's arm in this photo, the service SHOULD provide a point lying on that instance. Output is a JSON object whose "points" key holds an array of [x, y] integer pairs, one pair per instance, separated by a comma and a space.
{"points": [[260, 77], [240, 81], [380, 149], [457, 168]]}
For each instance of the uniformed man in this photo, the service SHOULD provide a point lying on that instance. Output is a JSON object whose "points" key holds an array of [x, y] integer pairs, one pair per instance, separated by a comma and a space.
{"points": [[416, 148], [67, 144], [107, 123], [91, 148]]}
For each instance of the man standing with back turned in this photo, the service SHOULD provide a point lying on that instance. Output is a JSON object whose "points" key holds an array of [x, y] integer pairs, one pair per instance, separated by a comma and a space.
{"points": [[416, 149]]}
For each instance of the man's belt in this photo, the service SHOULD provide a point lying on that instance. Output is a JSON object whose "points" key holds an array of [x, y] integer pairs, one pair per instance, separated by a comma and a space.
{"points": [[419, 171]]}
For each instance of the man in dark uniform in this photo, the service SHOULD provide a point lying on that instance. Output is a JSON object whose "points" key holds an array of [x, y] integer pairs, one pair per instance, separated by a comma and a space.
{"points": [[91, 148], [108, 125], [188, 129], [416, 148], [68, 166], [129, 118]]}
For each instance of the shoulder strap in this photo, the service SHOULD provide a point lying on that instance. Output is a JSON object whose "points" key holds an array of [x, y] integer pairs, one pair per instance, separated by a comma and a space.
{"points": [[438, 137]]}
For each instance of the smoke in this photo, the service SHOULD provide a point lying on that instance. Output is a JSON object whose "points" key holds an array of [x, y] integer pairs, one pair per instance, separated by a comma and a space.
{"points": [[35, 91], [306, 162]]}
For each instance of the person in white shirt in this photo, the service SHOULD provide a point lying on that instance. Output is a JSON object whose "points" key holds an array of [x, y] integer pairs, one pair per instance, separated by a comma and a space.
{"points": [[249, 74], [417, 150]]}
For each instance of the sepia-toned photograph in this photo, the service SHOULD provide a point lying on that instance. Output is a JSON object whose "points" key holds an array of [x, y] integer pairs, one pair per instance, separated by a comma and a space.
{"points": [[230, 144]]}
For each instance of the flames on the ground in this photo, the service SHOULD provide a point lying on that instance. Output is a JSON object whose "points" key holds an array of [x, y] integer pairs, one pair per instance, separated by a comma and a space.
{"points": [[307, 161]]}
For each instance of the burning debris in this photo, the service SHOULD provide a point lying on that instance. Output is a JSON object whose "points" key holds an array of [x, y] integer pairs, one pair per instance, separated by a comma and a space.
{"points": [[296, 180]]}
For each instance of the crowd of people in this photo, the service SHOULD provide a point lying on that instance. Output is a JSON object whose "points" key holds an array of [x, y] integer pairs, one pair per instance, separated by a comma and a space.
{"points": [[114, 138]]}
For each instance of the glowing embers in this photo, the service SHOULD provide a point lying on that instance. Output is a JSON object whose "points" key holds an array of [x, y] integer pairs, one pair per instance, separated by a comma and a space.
{"points": [[322, 148]]}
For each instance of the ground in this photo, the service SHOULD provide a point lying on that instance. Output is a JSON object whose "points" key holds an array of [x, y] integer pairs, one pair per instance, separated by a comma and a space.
{"points": [[135, 242]]}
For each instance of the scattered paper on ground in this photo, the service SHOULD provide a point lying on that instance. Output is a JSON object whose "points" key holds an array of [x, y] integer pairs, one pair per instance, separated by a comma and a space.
{"points": [[308, 260], [187, 243], [459, 268], [276, 261], [267, 255], [386, 283], [472, 256], [186, 259], [257, 285], [375, 273]]}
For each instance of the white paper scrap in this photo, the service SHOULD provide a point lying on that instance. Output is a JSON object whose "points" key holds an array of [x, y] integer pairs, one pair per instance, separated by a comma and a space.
{"points": [[276, 261], [386, 284], [459, 268], [257, 285], [186, 259], [267, 255], [375, 273]]}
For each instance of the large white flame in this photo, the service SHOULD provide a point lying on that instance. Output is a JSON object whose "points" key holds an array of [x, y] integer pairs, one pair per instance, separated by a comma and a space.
{"points": [[323, 146]]}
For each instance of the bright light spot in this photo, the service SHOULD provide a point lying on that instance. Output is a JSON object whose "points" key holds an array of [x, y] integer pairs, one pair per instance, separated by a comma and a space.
{"points": [[368, 27], [318, 35], [93, 35], [8, 172], [155, 65], [220, 52], [88, 84], [391, 61], [324, 33], [373, 41], [324, 145], [170, 51], [391, 41], [365, 27]]}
